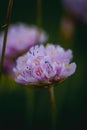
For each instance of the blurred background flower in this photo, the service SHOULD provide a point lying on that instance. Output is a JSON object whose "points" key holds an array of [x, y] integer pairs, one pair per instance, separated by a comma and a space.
{"points": [[75, 12], [76, 8], [20, 38]]}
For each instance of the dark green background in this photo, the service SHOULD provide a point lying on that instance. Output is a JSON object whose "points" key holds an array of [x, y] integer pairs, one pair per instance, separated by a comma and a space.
{"points": [[28, 109]]}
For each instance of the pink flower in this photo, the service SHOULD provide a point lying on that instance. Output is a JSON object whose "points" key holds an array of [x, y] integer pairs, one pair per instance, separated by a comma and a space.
{"points": [[44, 65], [20, 38], [76, 7]]}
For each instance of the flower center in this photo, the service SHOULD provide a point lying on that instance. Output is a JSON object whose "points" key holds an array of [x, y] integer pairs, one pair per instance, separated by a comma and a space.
{"points": [[36, 62], [53, 52], [68, 66], [39, 72]]}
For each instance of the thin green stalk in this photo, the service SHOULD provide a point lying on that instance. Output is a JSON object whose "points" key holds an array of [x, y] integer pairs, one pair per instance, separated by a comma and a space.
{"points": [[9, 10], [53, 106], [39, 13]]}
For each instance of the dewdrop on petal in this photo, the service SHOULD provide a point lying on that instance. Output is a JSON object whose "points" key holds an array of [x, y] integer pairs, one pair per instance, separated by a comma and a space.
{"points": [[42, 66]]}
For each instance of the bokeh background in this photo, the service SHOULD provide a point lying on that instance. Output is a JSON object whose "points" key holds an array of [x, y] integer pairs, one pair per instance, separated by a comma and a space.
{"points": [[24, 108]]}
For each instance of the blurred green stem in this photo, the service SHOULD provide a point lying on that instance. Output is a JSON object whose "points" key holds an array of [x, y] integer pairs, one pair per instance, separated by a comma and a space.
{"points": [[9, 10], [39, 13], [53, 106]]}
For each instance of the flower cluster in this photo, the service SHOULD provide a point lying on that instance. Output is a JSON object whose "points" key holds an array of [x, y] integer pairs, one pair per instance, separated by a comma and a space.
{"points": [[20, 38], [44, 65], [77, 7]]}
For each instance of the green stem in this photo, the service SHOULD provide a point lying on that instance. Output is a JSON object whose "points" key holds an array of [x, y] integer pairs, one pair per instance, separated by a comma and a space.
{"points": [[39, 12], [5, 34], [53, 106]]}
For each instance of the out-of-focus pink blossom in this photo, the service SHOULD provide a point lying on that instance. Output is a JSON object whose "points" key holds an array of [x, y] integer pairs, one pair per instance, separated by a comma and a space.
{"points": [[77, 7], [20, 38]]}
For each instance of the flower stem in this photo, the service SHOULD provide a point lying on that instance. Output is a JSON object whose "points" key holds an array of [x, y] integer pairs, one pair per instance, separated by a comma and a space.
{"points": [[5, 34], [53, 106], [39, 12]]}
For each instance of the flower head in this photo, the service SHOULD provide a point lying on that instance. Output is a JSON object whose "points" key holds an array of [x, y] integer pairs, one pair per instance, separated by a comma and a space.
{"points": [[77, 7], [44, 65], [20, 38]]}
